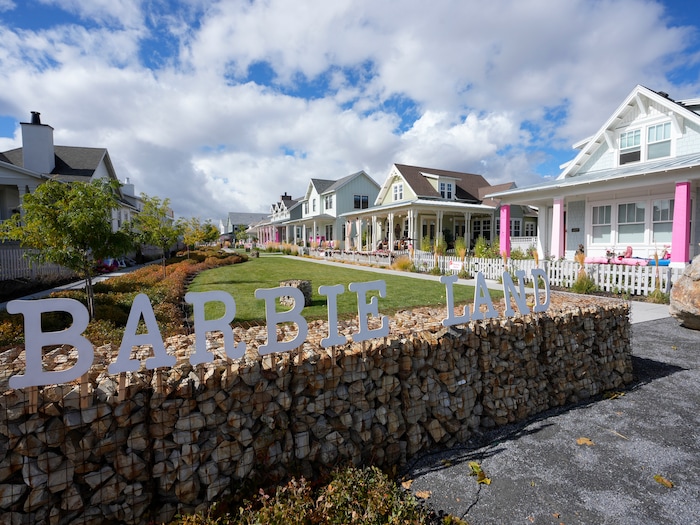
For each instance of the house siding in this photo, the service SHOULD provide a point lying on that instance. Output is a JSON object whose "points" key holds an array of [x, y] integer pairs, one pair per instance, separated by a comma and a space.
{"points": [[690, 142], [408, 194], [602, 159], [361, 185]]}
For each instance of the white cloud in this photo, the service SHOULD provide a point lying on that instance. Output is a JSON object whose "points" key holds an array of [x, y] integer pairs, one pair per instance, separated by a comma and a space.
{"points": [[492, 88]]}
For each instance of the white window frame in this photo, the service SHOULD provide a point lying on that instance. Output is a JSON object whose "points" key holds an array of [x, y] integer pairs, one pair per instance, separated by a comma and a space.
{"points": [[658, 135], [660, 218], [596, 222], [630, 142], [629, 220], [398, 191], [328, 202]]}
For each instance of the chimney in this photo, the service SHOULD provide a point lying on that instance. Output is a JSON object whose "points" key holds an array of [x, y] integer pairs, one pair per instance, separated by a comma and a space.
{"points": [[286, 197], [37, 145]]}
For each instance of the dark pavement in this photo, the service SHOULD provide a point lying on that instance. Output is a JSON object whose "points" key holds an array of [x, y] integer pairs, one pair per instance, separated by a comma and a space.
{"points": [[541, 474]]}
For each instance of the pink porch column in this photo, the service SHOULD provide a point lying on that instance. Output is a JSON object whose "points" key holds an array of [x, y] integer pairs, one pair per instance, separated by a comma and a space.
{"points": [[558, 226], [680, 239], [504, 235]]}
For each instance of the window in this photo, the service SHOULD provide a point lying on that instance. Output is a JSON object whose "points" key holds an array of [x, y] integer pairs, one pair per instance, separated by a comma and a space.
{"points": [[329, 232], [313, 205], [601, 224], [529, 229], [659, 141], [446, 190], [398, 191], [630, 146], [630, 222], [662, 220], [329, 202], [482, 228], [515, 227], [361, 202], [306, 208]]}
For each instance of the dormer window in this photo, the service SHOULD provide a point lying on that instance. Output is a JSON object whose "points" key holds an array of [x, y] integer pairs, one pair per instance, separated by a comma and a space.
{"points": [[630, 146], [446, 190], [659, 141]]}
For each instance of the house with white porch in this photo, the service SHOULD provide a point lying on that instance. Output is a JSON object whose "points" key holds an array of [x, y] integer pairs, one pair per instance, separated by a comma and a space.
{"points": [[416, 203], [23, 169], [324, 206], [632, 187], [277, 227]]}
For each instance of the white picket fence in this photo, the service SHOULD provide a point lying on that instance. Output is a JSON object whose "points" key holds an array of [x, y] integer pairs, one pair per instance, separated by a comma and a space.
{"points": [[15, 263], [616, 278]]}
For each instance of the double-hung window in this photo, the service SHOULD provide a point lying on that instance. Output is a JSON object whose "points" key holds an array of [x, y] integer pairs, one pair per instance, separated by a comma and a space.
{"points": [[630, 222], [630, 146], [329, 202], [659, 141], [662, 220], [602, 223], [398, 191]]}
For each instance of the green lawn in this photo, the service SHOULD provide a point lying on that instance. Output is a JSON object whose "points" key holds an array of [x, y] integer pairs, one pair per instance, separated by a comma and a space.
{"points": [[241, 281]]}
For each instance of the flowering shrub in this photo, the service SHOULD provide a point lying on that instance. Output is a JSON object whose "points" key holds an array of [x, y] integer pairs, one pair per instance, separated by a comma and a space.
{"points": [[113, 299]]}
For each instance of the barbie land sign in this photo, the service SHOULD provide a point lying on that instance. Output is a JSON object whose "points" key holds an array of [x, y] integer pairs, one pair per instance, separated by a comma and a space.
{"points": [[36, 339]]}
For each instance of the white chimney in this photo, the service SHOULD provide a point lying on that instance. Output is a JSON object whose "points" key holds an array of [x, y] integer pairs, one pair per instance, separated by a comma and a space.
{"points": [[37, 145]]}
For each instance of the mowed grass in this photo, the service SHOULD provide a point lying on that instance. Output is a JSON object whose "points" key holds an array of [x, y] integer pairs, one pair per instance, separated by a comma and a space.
{"points": [[241, 281]]}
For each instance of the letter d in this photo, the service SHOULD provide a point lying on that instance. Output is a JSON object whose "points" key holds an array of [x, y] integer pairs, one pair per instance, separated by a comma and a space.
{"points": [[35, 340]]}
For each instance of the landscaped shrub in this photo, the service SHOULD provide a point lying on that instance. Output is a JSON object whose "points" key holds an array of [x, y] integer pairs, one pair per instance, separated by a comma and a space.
{"points": [[355, 496], [114, 297], [584, 284], [403, 263]]}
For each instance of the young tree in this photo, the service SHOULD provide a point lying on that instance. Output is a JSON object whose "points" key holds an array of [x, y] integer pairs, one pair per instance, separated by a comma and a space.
{"points": [[155, 226], [195, 232], [70, 225]]}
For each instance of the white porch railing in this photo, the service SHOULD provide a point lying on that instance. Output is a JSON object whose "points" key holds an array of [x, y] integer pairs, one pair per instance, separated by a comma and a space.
{"points": [[635, 280]]}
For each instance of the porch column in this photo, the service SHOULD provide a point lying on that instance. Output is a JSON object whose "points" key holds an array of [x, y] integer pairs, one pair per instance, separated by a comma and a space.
{"points": [[438, 225], [412, 228], [505, 230], [359, 235], [558, 228], [468, 230], [680, 238], [303, 234], [391, 231], [375, 232]]}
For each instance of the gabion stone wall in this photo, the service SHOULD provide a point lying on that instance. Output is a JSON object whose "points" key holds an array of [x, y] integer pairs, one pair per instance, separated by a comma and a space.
{"points": [[143, 446]]}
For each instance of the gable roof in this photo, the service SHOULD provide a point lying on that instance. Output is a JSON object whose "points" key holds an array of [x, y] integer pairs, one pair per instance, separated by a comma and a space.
{"points": [[467, 185], [324, 186], [639, 98], [72, 163]]}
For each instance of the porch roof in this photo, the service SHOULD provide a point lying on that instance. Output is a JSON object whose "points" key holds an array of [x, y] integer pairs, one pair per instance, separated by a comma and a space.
{"points": [[672, 164], [422, 204]]}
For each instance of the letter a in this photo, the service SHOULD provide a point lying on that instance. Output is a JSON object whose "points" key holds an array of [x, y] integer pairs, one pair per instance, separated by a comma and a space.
{"points": [[141, 307]]}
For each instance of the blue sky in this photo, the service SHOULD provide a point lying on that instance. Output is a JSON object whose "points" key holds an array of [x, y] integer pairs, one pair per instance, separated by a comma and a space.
{"points": [[224, 106]]}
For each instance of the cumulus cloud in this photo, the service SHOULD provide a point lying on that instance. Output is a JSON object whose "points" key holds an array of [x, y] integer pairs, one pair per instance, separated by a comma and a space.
{"points": [[224, 105]]}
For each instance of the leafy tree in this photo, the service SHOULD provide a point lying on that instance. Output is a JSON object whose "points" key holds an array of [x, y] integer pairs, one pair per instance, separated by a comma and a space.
{"points": [[70, 225], [154, 225], [195, 232]]}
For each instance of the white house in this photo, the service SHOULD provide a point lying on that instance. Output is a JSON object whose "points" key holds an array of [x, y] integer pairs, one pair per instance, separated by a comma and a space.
{"points": [[416, 202], [23, 169], [324, 205], [632, 187]]}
